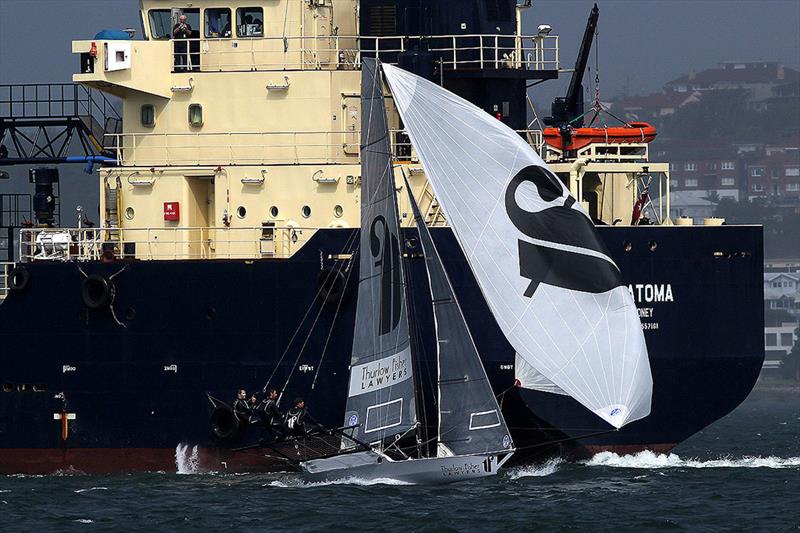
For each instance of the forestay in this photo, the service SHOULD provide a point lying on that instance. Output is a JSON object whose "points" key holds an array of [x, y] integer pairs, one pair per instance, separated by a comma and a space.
{"points": [[548, 279], [470, 421], [381, 389]]}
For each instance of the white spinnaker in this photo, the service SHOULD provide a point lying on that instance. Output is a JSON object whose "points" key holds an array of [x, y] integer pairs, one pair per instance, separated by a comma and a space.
{"points": [[590, 344]]}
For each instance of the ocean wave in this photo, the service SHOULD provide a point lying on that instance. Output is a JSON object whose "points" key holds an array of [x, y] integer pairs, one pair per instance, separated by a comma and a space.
{"points": [[79, 491], [300, 483], [84, 521], [651, 460], [542, 470]]}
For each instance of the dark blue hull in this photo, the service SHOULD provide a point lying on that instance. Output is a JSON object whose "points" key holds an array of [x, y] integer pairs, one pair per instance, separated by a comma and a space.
{"points": [[136, 379]]}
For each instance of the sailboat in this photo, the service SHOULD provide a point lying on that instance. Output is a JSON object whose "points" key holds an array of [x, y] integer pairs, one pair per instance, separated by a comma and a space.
{"points": [[382, 411]]}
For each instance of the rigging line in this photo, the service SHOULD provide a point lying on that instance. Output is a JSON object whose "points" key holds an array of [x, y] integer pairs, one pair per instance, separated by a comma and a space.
{"points": [[308, 336], [303, 320], [568, 439], [333, 323]]}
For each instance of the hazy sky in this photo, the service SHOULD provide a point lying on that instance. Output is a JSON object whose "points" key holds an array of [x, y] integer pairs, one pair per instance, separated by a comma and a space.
{"points": [[642, 43]]}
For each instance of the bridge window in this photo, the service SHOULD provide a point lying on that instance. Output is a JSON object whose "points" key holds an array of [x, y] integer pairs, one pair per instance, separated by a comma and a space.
{"points": [[381, 20], [160, 23], [148, 115], [250, 22], [218, 22]]}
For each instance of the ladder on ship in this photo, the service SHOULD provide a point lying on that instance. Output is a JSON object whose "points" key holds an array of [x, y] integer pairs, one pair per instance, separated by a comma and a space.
{"points": [[54, 123]]}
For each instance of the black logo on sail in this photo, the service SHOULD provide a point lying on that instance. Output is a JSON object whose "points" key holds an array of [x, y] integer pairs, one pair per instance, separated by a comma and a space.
{"points": [[559, 224], [385, 248]]}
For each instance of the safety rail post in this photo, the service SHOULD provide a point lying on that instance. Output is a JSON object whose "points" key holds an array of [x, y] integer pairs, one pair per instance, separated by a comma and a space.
{"points": [[5, 270]]}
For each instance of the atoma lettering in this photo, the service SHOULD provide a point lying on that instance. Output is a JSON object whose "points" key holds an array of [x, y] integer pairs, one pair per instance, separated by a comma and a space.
{"points": [[381, 373], [561, 225], [651, 292]]}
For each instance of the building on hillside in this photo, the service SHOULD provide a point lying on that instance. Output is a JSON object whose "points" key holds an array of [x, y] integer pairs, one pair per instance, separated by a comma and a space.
{"points": [[652, 107], [778, 342], [783, 264], [693, 204], [758, 78], [782, 291], [776, 176], [708, 167]]}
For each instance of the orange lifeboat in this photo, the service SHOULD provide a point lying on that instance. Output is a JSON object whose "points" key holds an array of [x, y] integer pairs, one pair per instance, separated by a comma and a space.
{"points": [[633, 132]]}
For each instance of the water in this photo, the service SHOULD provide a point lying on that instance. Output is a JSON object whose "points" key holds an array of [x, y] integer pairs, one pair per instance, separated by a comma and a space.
{"points": [[742, 473]]}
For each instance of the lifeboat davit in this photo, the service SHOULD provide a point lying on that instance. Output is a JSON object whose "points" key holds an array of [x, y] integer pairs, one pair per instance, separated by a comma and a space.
{"points": [[633, 132]]}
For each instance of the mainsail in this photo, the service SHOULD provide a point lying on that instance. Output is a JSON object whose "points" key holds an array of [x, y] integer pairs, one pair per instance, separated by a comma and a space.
{"points": [[381, 398], [548, 279], [470, 420]]}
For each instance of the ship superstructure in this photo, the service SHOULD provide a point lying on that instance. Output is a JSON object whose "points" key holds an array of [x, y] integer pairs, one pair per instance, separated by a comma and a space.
{"points": [[224, 250]]}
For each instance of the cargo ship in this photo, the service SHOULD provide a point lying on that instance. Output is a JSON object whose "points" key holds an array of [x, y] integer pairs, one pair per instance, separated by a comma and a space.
{"points": [[229, 210]]}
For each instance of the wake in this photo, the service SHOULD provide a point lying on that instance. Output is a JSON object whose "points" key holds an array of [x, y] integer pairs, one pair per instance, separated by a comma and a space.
{"points": [[651, 460], [542, 470], [299, 483]]}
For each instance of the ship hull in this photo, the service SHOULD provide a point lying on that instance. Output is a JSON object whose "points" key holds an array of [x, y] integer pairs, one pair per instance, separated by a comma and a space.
{"points": [[136, 379]]}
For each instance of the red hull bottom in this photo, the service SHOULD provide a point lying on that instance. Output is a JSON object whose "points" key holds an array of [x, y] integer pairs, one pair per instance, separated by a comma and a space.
{"points": [[38, 461], [45, 461]]}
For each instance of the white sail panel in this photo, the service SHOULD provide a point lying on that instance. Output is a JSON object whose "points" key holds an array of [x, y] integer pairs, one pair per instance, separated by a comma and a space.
{"points": [[529, 378], [555, 292]]}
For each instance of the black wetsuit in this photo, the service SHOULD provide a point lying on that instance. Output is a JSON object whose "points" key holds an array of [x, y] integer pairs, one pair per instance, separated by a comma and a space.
{"points": [[271, 418], [242, 410], [299, 422]]}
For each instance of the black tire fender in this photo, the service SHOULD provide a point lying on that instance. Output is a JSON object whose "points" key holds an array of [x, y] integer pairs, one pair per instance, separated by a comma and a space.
{"points": [[332, 285], [19, 278], [97, 292], [225, 424]]}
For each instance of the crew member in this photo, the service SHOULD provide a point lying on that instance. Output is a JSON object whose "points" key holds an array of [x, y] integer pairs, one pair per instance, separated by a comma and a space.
{"points": [[271, 416], [181, 30], [298, 421], [240, 406]]}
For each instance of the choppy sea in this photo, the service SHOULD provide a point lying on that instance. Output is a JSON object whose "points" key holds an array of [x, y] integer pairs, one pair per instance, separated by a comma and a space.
{"points": [[742, 473]]}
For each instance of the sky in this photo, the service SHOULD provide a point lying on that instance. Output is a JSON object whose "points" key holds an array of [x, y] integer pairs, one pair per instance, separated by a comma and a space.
{"points": [[642, 44]]}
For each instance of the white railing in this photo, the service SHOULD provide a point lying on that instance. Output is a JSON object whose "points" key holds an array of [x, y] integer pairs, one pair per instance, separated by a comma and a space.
{"points": [[231, 148], [178, 243], [255, 148], [5, 273], [453, 52]]}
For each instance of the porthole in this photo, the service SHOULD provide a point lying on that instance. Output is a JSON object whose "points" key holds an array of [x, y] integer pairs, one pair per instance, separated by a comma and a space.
{"points": [[196, 115], [306, 211], [241, 211], [23, 387], [211, 313], [653, 245], [130, 314], [627, 246], [338, 211], [40, 387], [8, 387], [130, 213], [273, 211], [411, 242], [148, 115]]}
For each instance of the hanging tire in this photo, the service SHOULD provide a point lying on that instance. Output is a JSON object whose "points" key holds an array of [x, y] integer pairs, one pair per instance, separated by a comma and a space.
{"points": [[331, 284], [225, 424], [97, 292], [19, 278]]}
